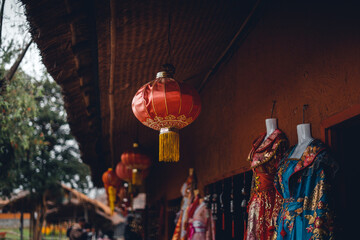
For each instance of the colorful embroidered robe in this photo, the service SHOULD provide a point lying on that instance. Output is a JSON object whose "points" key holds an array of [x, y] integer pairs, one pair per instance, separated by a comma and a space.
{"points": [[201, 225], [180, 232], [192, 208], [305, 185], [264, 201]]}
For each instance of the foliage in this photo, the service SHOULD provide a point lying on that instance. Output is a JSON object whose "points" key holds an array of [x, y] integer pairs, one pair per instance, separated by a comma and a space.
{"points": [[58, 159], [37, 150], [8, 54], [17, 110]]}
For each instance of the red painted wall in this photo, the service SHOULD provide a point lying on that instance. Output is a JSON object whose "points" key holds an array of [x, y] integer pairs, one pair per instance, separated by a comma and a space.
{"points": [[296, 54]]}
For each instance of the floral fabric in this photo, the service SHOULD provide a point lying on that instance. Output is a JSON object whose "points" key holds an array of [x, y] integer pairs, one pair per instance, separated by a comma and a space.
{"points": [[264, 203], [305, 184]]}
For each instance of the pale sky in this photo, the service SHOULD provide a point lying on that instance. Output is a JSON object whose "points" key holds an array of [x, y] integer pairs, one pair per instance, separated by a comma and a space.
{"points": [[15, 27]]}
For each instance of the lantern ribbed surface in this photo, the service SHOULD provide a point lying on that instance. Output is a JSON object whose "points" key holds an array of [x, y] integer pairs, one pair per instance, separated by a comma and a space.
{"points": [[112, 184], [135, 159], [110, 178], [166, 103], [123, 172]]}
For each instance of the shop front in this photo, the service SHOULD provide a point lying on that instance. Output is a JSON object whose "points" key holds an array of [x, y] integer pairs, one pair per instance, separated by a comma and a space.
{"points": [[272, 153]]}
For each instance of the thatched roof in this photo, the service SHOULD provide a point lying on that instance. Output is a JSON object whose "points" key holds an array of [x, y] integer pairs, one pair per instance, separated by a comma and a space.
{"points": [[76, 202], [74, 205], [75, 43], [16, 201], [78, 198]]}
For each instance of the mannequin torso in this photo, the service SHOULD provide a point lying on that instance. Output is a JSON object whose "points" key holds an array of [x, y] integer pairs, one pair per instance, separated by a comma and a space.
{"points": [[304, 139], [271, 126]]}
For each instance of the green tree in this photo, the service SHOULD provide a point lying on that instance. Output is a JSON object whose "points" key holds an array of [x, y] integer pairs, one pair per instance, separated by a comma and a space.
{"points": [[57, 160], [17, 111], [37, 150]]}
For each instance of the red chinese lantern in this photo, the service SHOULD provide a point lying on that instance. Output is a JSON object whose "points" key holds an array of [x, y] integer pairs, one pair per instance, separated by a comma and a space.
{"points": [[123, 172], [137, 161], [111, 183], [166, 105]]}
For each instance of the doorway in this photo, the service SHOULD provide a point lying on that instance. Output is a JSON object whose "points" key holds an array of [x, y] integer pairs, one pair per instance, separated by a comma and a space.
{"points": [[342, 134]]}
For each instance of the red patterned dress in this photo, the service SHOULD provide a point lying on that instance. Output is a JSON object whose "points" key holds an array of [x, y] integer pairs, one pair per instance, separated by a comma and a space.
{"points": [[265, 202], [201, 224], [180, 232]]}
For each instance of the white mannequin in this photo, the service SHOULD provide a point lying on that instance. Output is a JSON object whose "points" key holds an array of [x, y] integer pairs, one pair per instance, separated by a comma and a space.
{"points": [[304, 139], [271, 126]]}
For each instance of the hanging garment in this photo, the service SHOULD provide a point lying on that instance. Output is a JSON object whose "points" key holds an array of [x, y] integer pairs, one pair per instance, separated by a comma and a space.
{"points": [[192, 208], [265, 202], [180, 232], [305, 186], [201, 225]]}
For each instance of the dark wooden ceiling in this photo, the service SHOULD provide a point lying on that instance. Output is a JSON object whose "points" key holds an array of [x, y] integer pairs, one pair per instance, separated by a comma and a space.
{"points": [[74, 38]]}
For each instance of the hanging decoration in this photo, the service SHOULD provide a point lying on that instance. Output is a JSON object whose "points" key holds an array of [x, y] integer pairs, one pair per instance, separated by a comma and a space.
{"points": [[222, 207], [244, 204], [232, 208], [167, 105], [214, 206], [136, 160], [123, 172], [112, 184]]}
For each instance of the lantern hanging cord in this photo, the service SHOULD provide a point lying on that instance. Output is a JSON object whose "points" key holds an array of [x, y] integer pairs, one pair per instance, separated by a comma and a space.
{"points": [[169, 68], [272, 109], [304, 109], [112, 77], [170, 59]]}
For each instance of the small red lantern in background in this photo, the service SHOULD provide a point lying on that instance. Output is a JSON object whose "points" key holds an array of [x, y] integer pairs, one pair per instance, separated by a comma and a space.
{"points": [[137, 161], [123, 172], [112, 184], [167, 105]]}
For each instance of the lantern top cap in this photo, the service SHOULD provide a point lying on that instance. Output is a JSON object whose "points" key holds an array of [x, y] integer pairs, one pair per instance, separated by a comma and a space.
{"points": [[164, 74], [109, 169], [135, 145], [167, 71]]}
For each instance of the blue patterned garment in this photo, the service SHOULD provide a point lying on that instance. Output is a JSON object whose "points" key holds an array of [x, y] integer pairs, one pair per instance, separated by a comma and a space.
{"points": [[305, 186]]}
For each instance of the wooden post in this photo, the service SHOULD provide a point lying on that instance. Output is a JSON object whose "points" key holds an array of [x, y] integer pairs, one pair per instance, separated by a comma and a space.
{"points": [[75, 214], [60, 230], [112, 77], [22, 224], [86, 214], [31, 230]]}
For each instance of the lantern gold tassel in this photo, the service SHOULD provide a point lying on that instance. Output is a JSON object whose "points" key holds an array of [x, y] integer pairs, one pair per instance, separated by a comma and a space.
{"points": [[169, 145], [112, 198], [136, 177]]}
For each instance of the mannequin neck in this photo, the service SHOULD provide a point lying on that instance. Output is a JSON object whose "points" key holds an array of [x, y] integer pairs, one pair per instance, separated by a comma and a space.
{"points": [[304, 139], [304, 133], [271, 126]]}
